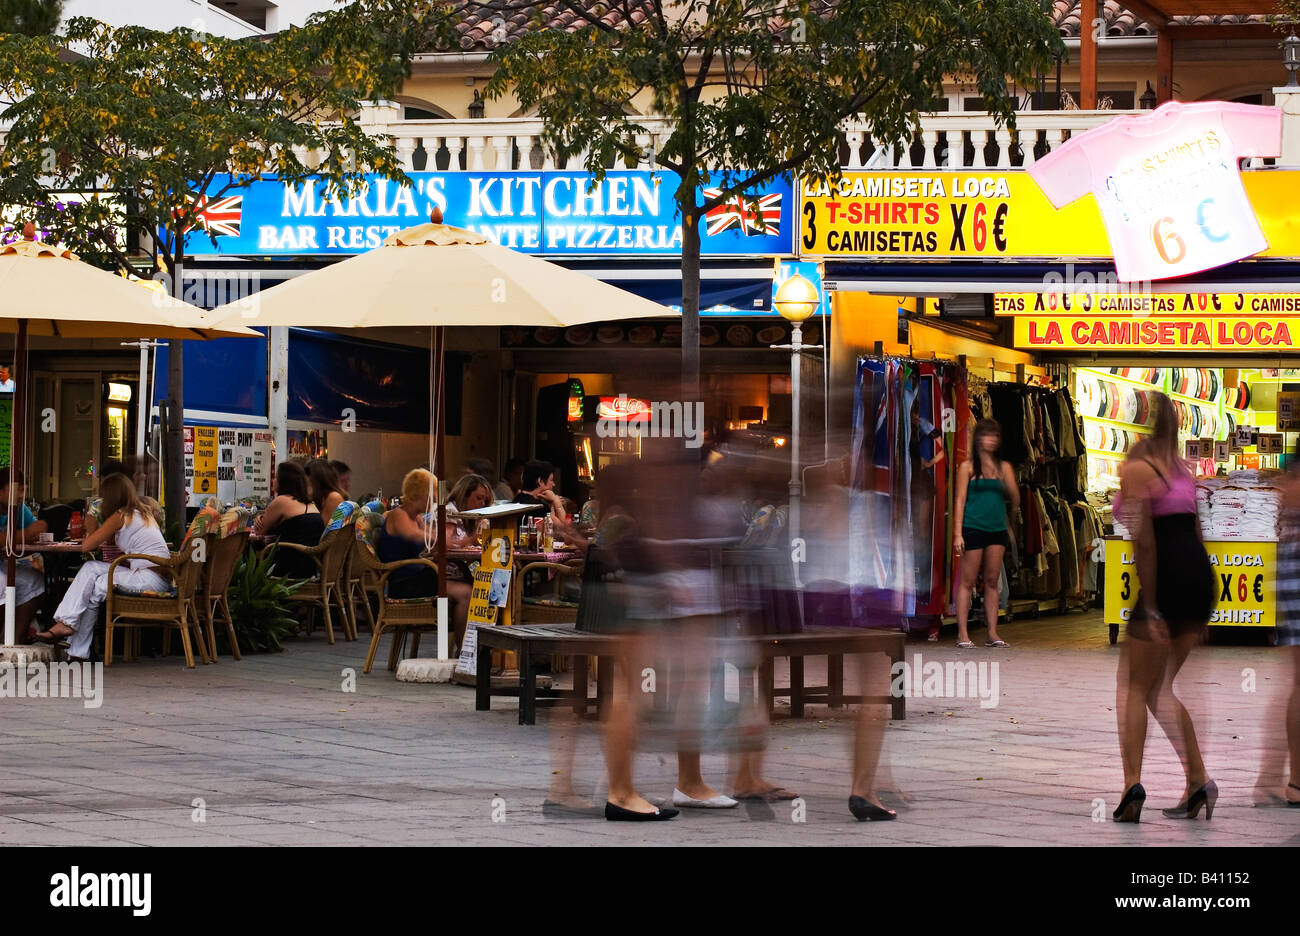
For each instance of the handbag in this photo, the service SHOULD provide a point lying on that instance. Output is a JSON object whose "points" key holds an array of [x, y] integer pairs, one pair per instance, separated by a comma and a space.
{"points": [[601, 605]]}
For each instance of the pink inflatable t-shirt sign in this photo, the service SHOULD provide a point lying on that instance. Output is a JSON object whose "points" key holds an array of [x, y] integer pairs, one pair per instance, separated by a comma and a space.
{"points": [[1167, 184]]}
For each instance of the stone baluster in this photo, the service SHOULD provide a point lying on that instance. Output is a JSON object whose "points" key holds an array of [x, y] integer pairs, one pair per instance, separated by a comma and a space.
{"points": [[854, 140], [502, 146], [930, 139], [1054, 137], [475, 161], [454, 146], [1003, 136], [405, 147]]}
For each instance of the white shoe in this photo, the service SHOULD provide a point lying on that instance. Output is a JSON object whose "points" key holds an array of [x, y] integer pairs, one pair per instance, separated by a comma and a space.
{"points": [[715, 802]]}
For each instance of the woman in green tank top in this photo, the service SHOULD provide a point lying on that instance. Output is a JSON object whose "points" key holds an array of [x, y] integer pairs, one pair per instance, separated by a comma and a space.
{"points": [[986, 488]]}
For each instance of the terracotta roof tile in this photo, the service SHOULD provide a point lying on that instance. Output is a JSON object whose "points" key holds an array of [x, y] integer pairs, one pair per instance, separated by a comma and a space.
{"points": [[481, 33], [1123, 23]]}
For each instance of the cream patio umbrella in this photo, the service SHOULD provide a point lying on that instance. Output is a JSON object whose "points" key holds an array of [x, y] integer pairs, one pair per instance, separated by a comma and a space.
{"points": [[438, 275], [47, 291]]}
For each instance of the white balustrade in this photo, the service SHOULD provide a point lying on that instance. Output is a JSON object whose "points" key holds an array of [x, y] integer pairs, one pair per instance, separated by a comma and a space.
{"points": [[949, 141]]}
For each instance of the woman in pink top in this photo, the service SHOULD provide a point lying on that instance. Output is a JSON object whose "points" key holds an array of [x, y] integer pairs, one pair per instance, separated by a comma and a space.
{"points": [[1158, 505]]}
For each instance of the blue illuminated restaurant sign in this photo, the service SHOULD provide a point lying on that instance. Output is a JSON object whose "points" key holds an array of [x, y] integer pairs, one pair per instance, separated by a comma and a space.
{"points": [[628, 213]]}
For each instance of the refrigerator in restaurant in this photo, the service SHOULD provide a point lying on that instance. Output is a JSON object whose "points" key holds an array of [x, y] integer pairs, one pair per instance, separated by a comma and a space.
{"points": [[606, 422], [559, 423]]}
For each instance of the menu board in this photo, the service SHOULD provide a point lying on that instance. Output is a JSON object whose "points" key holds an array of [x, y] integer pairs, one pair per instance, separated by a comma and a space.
{"points": [[200, 463], [243, 464]]}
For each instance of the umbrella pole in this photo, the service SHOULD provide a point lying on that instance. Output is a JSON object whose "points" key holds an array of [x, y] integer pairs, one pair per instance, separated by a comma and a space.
{"points": [[440, 461], [15, 463]]}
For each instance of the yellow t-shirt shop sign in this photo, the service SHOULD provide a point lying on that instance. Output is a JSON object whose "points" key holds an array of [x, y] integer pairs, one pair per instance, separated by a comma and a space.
{"points": [[1244, 576], [947, 215]]}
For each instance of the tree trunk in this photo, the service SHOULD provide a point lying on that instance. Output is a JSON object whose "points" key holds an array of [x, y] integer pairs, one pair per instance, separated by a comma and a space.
{"points": [[174, 461], [690, 291]]}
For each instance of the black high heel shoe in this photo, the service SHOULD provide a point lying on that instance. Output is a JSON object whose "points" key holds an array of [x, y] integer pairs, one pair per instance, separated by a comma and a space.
{"points": [[1130, 807], [1294, 804], [863, 810], [619, 814], [1205, 796]]}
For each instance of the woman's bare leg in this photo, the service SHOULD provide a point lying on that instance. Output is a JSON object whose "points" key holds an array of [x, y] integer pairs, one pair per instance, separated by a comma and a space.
{"points": [[970, 567], [620, 735], [1293, 729], [1173, 717], [873, 679], [1141, 668], [992, 596]]}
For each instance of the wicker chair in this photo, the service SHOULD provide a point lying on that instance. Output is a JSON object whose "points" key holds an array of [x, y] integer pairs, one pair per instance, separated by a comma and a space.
{"points": [[545, 609], [402, 616], [223, 556], [174, 610], [328, 586], [358, 586]]}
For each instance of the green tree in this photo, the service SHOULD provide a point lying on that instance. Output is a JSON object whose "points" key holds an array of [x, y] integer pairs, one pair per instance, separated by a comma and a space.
{"points": [[30, 17], [141, 124], [756, 89]]}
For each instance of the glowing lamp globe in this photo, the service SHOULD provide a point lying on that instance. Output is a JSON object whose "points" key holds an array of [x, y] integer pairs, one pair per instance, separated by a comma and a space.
{"points": [[796, 299]]}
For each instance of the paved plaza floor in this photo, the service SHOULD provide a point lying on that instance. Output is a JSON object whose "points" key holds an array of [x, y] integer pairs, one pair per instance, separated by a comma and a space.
{"points": [[272, 751]]}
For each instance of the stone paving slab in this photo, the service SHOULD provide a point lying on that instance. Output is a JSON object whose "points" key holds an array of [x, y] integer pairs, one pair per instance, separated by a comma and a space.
{"points": [[281, 755]]}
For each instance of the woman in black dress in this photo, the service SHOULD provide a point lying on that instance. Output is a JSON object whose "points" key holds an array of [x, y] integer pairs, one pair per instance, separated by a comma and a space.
{"points": [[1158, 505], [291, 517]]}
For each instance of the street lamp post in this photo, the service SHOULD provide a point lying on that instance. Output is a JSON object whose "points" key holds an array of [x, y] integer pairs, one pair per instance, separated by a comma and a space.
{"points": [[796, 299], [1291, 57]]}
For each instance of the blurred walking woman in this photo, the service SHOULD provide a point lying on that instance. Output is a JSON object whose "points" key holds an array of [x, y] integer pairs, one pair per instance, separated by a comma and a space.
{"points": [[1288, 620], [986, 488], [1157, 503]]}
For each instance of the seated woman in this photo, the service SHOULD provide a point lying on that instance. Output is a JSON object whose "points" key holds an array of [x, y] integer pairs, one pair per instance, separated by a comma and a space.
{"points": [[539, 488], [326, 492], [291, 517], [131, 526], [471, 492], [403, 537]]}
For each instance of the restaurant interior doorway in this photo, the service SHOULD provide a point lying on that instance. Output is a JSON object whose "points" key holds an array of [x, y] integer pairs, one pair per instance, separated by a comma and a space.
{"points": [[78, 420]]}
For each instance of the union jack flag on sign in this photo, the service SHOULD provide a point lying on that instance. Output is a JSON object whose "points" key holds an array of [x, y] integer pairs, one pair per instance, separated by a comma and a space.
{"points": [[753, 216], [218, 217]]}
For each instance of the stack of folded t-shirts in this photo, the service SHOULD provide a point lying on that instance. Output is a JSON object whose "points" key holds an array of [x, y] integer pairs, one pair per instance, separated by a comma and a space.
{"points": [[1238, 510]]}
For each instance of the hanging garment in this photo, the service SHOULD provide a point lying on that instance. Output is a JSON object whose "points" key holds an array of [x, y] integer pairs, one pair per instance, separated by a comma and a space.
{"points": [[1008, 410]]}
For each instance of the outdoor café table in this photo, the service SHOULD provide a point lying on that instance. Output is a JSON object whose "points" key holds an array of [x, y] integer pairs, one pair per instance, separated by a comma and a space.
{"points": [[57, 564], [465, 557]]}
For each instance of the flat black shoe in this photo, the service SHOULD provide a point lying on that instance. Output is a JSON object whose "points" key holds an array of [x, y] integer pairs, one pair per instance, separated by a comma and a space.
{"points": [[619, 814], [1130, 807], [554, 810], [1294, 804], [863, 810], [1205, 796]]}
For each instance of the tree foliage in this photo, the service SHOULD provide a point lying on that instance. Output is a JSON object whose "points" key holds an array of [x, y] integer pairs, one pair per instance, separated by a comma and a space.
{"points": [[757, 89], [30, 17], [125, 135]]}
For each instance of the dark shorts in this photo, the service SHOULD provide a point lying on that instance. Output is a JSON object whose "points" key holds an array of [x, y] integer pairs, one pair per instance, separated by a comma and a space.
{"points": [[982, 539]]}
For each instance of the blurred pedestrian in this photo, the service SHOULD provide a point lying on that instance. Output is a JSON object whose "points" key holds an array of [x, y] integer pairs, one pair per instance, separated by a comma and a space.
{"points": [[1157, 503], [1273, 766]]}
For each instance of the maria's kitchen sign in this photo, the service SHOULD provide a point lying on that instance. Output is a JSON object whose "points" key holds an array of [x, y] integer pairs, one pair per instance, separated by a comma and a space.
{"points": [[628, 213]]}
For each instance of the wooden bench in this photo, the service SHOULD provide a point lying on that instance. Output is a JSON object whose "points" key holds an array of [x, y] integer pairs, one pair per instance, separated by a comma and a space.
{"points": [[532, 642]]}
